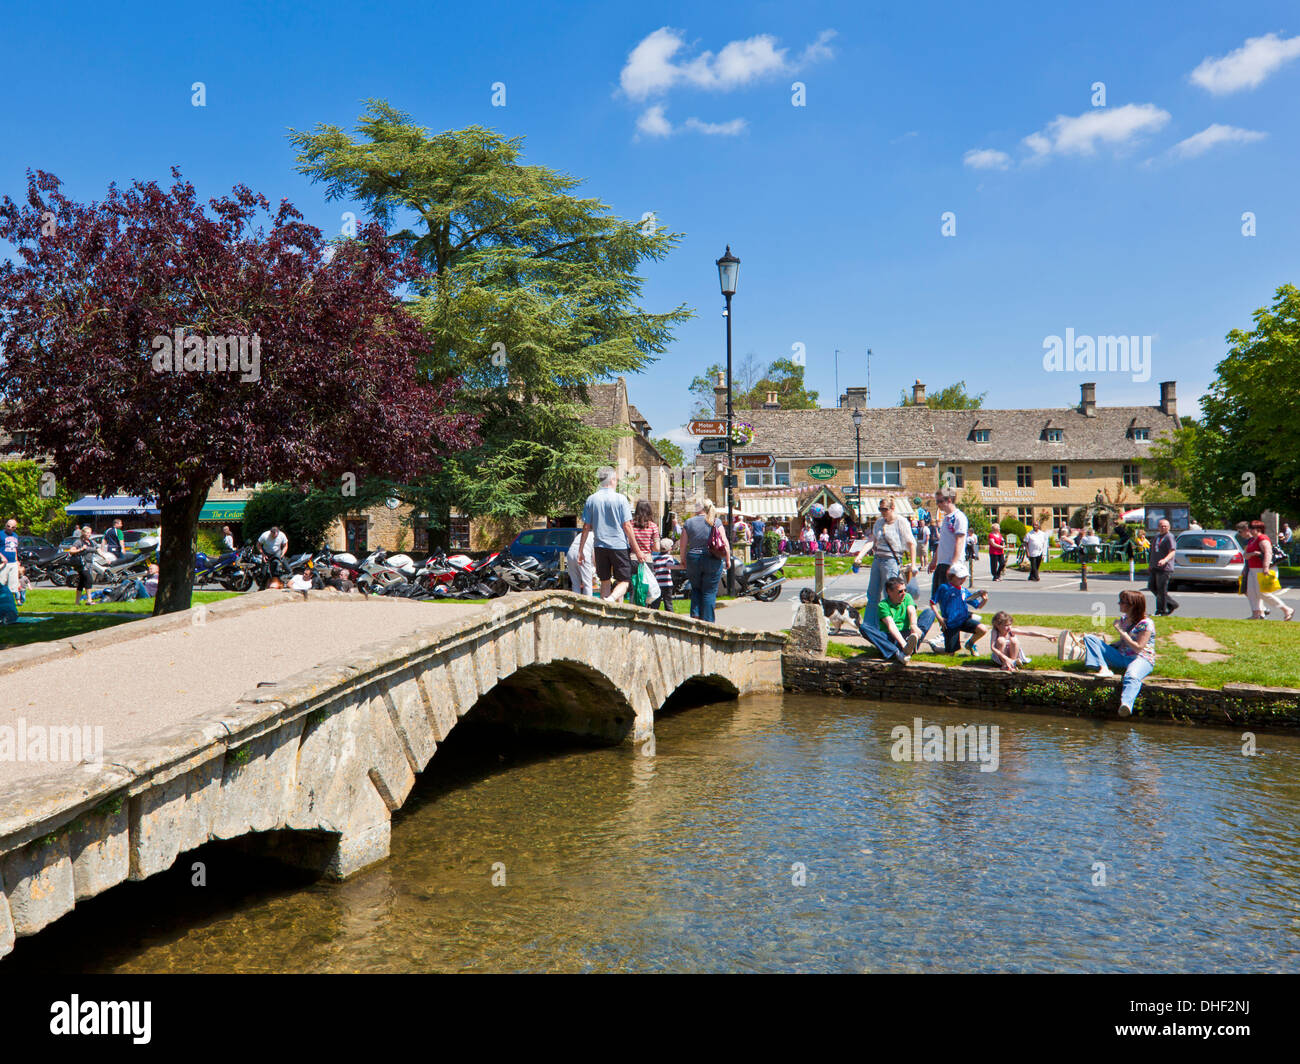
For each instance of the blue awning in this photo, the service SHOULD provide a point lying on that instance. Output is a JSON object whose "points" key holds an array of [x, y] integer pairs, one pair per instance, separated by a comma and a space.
{"points": [[111, 504]]}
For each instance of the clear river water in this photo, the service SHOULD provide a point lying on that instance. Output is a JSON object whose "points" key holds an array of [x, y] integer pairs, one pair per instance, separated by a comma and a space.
{"points": [[774, 833]]}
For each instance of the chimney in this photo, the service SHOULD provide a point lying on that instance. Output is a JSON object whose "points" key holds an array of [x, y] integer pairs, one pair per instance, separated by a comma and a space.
{"points": [[773, 403], [918, 394], [1169, 398], [1088, 400], [720, 395], [854, 397]]}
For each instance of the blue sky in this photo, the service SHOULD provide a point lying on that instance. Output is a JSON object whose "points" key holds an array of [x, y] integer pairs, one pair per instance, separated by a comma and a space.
{"points": [[1124, 219]]}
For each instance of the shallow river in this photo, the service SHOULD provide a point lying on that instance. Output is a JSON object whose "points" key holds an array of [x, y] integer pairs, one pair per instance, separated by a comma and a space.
{"points": [[773, 833]]}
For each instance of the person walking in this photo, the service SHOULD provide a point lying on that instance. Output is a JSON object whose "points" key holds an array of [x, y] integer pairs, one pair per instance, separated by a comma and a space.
{"points": [[114, 540], [1260, 580], [662, 564], [9, 551], [890, 543], [580, 560], [1133, 653], [951, 547], [1160, 568], [607, 515], [83, 555], [997, 553], [704, 555], [760, 529], [1035, 549]]}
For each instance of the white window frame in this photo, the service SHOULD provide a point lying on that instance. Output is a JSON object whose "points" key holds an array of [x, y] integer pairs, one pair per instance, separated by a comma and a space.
{"points": [[880, 473], [776, 477], [981, 435], [1055, 436]]}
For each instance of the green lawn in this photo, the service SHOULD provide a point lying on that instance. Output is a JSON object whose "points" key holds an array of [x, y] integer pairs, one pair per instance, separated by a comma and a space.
{"points": [[1262, 652], [801, 567], [70, 619]]}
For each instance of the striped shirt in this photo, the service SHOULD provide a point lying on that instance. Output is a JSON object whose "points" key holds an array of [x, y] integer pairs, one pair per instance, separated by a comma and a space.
{"points": [[646, 538], [662, 564]]}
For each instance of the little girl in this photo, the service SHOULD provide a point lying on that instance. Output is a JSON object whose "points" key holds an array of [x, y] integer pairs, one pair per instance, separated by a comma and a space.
{"points": [[1005, 644]]}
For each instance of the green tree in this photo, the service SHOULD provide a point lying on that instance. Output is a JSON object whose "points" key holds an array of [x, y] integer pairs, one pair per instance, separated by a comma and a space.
{"points": [[1246, 456], [976, 516], [303, 516], [953, 397], [21, 498], [783, 376], [673, 454], [533, 297]]}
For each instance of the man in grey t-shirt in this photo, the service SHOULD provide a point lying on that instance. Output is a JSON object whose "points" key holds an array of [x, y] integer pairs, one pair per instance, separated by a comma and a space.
{"points": [[607, 515]]}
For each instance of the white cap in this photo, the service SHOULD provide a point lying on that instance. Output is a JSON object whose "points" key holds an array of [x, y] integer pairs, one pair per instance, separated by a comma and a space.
{"points": [[958, 570]]}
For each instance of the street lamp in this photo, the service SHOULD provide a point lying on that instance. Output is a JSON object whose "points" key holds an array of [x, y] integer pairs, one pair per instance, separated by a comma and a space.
{"points": [[857, 464], [728, 275]]}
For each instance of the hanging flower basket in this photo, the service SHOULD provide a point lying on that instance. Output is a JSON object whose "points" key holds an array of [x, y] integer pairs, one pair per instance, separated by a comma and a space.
{"points": [[742, 433]]}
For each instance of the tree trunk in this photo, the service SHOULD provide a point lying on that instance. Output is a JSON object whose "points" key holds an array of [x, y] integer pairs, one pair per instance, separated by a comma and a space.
{"points": [[180, 519]]}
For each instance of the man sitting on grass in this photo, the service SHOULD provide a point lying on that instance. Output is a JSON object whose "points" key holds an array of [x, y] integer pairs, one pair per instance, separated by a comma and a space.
{"points": [[952, 610], [897, 614]]}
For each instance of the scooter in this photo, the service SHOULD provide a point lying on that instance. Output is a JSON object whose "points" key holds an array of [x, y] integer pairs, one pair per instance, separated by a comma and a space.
{"points": [[762, 579]]}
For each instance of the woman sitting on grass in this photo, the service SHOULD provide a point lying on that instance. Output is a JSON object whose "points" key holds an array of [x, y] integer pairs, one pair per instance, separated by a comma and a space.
{"points": [[1134, 653]]}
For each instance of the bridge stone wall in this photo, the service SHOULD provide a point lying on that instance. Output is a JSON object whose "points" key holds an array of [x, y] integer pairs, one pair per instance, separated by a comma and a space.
{"points": [[312, 768]]}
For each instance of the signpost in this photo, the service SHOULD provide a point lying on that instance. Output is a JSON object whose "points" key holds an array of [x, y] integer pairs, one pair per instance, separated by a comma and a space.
{"points": [[755, 461], [707, 428], [713, 445]]}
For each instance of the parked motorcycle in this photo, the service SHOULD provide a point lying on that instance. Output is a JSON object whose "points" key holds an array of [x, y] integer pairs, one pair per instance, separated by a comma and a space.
{"points": [[762, 579]]}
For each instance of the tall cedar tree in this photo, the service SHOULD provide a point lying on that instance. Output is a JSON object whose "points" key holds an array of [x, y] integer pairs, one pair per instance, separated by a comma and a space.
{"points": [[533, 297], [93, 286]]}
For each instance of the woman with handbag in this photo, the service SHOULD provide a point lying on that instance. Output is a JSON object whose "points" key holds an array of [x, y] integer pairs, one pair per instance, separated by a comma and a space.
{"points": [[892, 543], [705, 551], [1261, 581], [1133, 653]]}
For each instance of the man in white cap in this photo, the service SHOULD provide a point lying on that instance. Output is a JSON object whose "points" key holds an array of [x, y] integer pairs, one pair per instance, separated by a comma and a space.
{"points": [[952, 607]]}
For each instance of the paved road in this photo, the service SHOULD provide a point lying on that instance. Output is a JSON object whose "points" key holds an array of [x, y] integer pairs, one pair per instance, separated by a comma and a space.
{"points": [[1056, 593]]}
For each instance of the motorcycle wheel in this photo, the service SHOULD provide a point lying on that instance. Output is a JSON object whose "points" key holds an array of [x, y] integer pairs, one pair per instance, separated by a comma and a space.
{"points": [[240, 581], [769, 594]]}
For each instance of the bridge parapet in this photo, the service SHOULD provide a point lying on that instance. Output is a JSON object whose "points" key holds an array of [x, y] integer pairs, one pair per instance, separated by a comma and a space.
{"points": [[312, 767]]}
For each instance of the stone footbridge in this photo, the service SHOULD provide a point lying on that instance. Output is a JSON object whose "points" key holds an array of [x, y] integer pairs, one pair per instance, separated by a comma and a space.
{"points": [[311, 766]]}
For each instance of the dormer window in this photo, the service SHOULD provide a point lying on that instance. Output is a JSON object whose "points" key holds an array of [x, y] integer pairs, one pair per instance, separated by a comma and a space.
{"points": [[1053, 435], [1141, 434], [981, 435]]}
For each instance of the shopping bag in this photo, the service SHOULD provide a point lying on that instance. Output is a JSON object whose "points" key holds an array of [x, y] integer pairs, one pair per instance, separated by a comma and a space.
{"points": [[639, 590], [647, 576], [1069, 646], [1268, 581]]}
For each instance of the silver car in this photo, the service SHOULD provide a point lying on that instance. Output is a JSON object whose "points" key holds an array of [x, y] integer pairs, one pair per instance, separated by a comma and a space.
{"points": [[1210, 555]]}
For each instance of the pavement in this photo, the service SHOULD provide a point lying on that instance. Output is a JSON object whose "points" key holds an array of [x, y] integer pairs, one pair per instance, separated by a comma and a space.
{"points": [[1055, 593], [135, 687]]}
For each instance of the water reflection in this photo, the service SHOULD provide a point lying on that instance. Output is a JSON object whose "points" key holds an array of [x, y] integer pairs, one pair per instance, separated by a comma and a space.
{"points": [[773, 833]]}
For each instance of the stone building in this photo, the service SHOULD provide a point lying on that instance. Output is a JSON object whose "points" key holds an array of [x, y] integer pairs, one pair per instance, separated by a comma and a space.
{"points": [[1046, 462]]}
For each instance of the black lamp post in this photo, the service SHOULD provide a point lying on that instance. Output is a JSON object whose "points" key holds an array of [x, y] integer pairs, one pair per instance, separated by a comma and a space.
{"points": [[857, 464], [728, 275]]}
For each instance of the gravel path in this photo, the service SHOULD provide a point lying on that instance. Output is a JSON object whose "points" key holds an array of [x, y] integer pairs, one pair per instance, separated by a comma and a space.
{"points": [[139, 686]]}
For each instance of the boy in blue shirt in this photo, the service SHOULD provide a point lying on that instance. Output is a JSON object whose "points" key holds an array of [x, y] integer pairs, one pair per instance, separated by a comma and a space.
{"points": [[952, 606]]}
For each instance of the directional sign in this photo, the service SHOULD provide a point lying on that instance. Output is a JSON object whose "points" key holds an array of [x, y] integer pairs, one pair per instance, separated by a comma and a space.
{"points": [[707, 428], [713, 445], [755, 461]]}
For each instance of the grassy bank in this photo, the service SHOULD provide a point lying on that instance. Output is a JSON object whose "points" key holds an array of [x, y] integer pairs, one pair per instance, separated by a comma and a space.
{"points": [[1261, 652]]}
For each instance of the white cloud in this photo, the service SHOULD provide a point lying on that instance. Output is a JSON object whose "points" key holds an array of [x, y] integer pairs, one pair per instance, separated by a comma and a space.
{"points": [[1200, 143], [1248, 66], [986, 159], [653, 66], [1112, 127], [684, 439], [653, 123], [722, 129]]}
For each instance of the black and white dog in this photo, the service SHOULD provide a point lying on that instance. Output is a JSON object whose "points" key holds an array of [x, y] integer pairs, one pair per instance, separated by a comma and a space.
{"points": [[837, 611]]}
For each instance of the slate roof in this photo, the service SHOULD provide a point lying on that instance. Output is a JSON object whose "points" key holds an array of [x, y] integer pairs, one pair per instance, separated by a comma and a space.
{"points": [[1020, 435], [604, 399], [827, 432]]}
